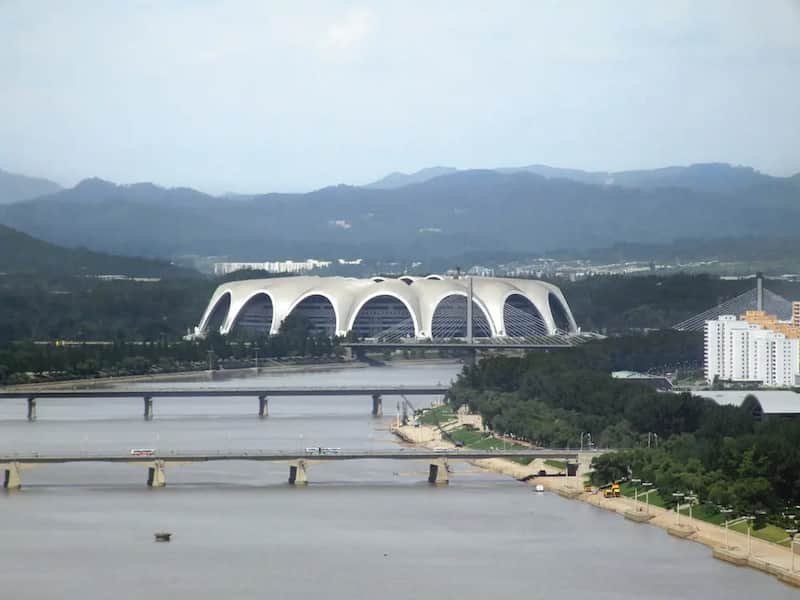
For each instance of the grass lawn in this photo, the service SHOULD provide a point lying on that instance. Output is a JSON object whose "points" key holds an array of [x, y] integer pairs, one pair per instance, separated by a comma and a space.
{"points": [[468, 437], [655, 499], [556, 464], [706, 513], [482, 441], [769, 533], [440, 414]]}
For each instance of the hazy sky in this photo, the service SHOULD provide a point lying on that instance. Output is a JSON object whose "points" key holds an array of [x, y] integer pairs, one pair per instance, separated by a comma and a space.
{"points": [[253, 95]]}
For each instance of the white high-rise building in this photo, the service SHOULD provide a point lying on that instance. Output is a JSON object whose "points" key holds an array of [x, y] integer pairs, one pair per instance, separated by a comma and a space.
{"points": [[743, 351]]}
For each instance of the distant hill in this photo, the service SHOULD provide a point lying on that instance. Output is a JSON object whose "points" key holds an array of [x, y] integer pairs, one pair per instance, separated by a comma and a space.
{"points": [[712, 177], [478, 211], [21, 253], [396, 179], [14, 188]]}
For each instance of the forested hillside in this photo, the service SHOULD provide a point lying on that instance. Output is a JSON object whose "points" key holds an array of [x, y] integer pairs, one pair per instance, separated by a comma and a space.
{"points": [[21, 253], [485, 211]]}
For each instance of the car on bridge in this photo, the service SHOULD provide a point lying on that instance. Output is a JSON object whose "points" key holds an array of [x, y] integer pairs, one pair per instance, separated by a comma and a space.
{"points": [[142, 452]]}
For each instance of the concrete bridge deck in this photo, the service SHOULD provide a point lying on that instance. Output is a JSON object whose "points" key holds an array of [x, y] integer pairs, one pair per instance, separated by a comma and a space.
{"points": [[12, 465], [112, 392], [284, 455], [263, 394]]}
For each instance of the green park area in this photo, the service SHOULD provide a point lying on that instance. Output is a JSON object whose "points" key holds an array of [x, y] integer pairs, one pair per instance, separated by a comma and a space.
{"points": [[708, 513]]}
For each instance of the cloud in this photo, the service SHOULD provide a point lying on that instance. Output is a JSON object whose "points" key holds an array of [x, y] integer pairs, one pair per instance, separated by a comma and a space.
{"points": [[348, 33]]}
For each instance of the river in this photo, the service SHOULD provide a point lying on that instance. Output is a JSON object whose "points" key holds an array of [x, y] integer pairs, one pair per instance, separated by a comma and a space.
{"points": [[360, 529]]}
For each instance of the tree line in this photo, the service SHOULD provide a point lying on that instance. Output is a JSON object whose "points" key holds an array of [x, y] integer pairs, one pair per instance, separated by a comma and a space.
{"points": [[677, 441]]}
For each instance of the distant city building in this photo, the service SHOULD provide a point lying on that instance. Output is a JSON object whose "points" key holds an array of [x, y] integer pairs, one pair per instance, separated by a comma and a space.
{"points": [[796, 314], [756, 348], [481, 271], [658, 382], [282, 266]]}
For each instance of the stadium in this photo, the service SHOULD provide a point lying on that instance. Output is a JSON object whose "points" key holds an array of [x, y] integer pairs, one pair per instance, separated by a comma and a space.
{"points": [[421, 308]]}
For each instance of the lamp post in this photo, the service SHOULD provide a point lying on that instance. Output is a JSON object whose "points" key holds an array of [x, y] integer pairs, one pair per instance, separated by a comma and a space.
{"points": [[691, 498], [647, 484], [636, 483], [726, 512], [750, 519], [678, 496], [792, 532]]}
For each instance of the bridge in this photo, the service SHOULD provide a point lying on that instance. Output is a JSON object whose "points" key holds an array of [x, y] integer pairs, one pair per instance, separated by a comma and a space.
{"points": [[533, 342], [156, 462], [263, 395]]}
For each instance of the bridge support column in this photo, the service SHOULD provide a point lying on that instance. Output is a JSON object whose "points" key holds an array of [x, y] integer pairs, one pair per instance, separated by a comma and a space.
{"points": [[297, 473], [437, 472], [377, 405], [263, 406], [11, 478], [31, 409], [156, 477], [148, 408]]}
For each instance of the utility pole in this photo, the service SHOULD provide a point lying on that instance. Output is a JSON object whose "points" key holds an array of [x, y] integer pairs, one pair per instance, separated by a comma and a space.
{"points": [[759, 291], [469, 311]]}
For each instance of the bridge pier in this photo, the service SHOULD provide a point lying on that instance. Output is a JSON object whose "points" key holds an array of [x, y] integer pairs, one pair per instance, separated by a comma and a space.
{"points": [[156, 477], [31, 408], [437, 472], [11, 478], [148, 408], [377, 405], [297, 473], [263, 406]]}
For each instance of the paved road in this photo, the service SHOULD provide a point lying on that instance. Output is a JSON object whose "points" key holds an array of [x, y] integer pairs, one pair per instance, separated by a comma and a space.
{"points": [[268, 455]]}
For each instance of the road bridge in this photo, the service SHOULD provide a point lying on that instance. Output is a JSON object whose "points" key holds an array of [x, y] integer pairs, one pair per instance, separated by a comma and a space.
{"points": [[156, 462], [376, 392]]}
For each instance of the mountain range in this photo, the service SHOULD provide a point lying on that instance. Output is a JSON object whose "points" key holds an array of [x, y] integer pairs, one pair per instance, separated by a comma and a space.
{"points": [[14, 188], [437, 212], [719, 177]]}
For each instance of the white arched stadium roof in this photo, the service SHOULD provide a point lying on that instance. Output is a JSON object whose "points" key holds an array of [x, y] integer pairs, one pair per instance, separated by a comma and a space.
{"points": [[421, 297]]}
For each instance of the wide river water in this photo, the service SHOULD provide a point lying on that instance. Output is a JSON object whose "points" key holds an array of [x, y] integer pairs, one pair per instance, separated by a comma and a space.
{"points": [[361, 529]]}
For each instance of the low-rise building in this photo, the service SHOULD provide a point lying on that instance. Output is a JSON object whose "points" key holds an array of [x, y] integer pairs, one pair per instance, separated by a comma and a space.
{"points": [[277, 266]]}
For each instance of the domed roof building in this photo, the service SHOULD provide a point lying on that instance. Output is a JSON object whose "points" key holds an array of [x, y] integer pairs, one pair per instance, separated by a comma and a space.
{"points": [[432, 307]]}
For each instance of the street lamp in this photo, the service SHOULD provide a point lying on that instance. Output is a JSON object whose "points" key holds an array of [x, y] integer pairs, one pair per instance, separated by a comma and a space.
{"points": [[678, 496], [726, 512], [691, 499], [647, 484], [792, 532], [636, 483], [750, 519]]}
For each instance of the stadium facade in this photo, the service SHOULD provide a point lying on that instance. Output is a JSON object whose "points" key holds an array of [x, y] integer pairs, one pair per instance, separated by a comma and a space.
{"points": [[431, 307]]}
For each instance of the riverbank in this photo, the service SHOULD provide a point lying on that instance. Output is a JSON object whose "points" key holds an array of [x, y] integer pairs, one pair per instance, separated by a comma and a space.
{"points": [[269, 368], [216, 375], [730, 546]]}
